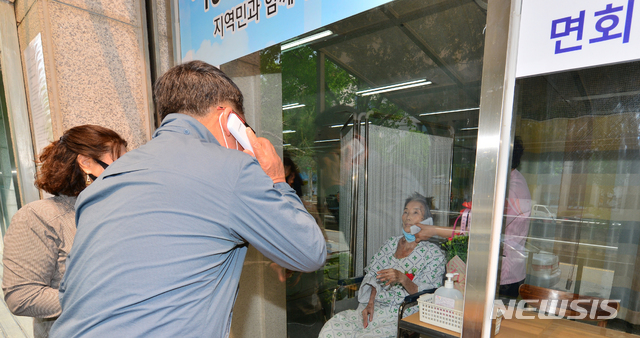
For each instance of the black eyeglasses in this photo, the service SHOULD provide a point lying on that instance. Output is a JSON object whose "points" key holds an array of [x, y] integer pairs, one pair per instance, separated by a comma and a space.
{"points": [[102, 164]]}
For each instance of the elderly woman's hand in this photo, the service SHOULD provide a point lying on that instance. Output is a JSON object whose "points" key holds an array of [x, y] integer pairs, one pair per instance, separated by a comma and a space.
{"points": [[391, 276], [367, 314]]}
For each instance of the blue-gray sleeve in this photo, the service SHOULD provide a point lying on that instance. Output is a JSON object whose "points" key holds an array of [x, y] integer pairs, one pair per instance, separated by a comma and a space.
{"points": [[272, 218]]}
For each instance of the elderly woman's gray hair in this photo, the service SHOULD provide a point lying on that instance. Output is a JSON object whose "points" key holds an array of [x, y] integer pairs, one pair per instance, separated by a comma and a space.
{"points": [[416, 197]]}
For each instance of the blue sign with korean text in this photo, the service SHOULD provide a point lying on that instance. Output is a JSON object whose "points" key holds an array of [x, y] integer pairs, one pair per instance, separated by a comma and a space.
{"points": [[218, 31], [558, 35]]}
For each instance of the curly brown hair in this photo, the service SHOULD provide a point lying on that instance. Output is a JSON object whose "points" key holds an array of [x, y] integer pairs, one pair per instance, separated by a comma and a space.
{"points": [[60, 173]]}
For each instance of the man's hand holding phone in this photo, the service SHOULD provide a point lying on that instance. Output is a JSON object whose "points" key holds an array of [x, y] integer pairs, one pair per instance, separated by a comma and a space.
{"points": [[267, 156]]}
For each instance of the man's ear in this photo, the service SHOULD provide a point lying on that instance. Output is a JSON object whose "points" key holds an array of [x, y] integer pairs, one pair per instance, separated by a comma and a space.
{"points": [[224, 119], [85, 163]]}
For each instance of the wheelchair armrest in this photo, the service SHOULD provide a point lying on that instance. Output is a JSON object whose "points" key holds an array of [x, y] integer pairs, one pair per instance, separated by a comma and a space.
{"points": [[411, 300], [350, 281], [414, 297]]}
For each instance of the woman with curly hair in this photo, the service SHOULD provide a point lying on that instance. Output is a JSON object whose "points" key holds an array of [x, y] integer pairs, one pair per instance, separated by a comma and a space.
{"points": [[41, 233]]}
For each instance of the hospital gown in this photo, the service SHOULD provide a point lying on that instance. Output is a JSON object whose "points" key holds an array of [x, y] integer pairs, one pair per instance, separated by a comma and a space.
{"points": [[426, 262]]}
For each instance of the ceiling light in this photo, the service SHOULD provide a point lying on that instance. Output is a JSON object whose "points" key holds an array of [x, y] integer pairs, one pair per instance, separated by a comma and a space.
{"points": [[394, 87], [330, 140], [449, 111], [292, 106], [348, 125], [288, 131], [306, 40], [566, 242], [470, 128], [604, 96]]}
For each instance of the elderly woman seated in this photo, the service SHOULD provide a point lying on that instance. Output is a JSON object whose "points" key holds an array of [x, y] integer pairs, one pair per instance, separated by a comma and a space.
{"points": [[401, 267]]}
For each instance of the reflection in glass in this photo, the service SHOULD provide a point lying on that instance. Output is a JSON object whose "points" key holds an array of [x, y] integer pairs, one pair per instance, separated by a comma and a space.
{"points": [[516, 228], [360, 155], [581, 132], [8, 176]]}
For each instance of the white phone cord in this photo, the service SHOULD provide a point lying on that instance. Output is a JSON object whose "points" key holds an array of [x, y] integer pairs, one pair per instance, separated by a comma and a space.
{"points": [[222, 131]]}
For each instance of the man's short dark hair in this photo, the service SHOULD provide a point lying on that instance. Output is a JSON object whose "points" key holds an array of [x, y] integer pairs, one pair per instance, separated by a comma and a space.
{"points": [[416, 197], [518, 150], [192, 88]]}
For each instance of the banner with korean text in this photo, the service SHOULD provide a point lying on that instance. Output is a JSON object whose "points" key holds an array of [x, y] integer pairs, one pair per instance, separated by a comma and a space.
{"points": [[218, 31], [558, 35]]}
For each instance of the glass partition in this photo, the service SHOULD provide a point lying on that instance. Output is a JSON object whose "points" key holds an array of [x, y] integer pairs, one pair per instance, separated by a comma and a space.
{"points": [[383, 107], [9, 200], [572, 213]]}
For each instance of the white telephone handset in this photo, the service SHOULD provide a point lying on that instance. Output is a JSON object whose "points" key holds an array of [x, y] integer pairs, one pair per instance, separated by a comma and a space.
{"points": [[415, 229], [238, 128]]}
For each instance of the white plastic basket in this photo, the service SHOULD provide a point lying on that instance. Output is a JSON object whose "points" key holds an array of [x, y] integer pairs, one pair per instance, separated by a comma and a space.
{"points": [[445, 317], [437, 315]]}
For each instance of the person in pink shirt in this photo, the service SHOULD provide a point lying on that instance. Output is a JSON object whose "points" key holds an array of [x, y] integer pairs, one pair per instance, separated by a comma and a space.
{"points": [[516, 229], [517, 212]]}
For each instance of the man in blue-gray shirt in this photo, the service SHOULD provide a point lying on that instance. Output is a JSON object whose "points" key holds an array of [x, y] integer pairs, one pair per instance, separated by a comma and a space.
{"points": [[163, 232]]}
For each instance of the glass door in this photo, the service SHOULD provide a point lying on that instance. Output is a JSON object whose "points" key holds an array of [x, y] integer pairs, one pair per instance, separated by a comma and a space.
{"points": [[368, 133], [382, 106], [9, 199], [571, 219]]}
